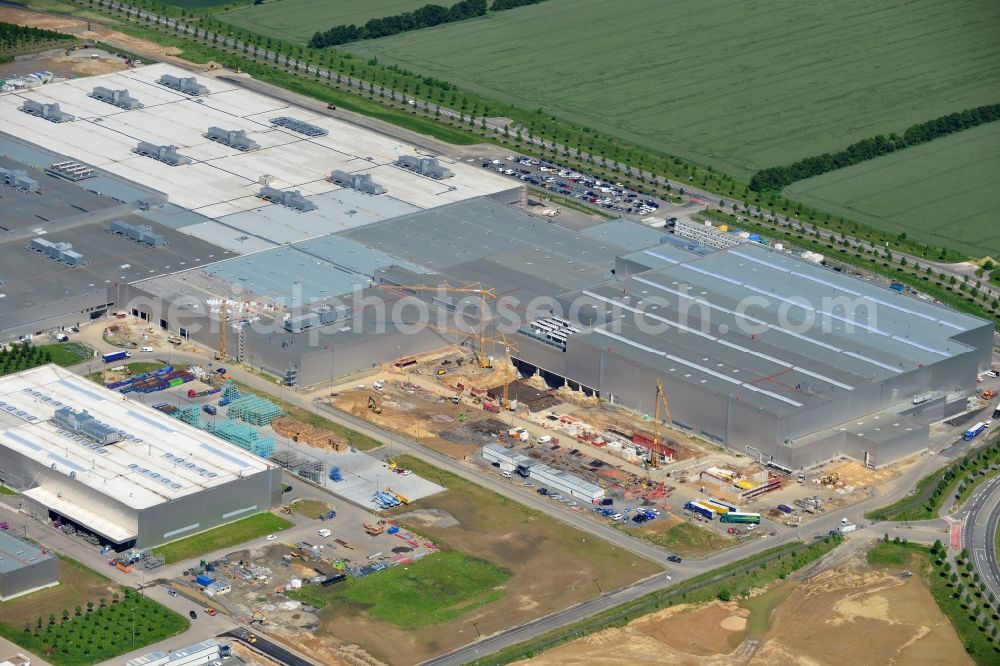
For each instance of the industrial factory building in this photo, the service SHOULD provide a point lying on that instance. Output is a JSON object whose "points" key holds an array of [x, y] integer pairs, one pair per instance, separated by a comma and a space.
{"points": [[25, 567], [760, 351], [126, 473]]}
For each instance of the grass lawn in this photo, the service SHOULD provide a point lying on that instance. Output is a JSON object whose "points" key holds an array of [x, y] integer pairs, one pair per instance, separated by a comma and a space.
{"points": [[77, 585], [68, 353], [685, 539], [99, 632], [734, 84], [4, 490], [222, 537], [944, 192], [310, 508], [972, 625], [360, 442], [932, 490], [296, 20], [435, 589], [522, 564]]}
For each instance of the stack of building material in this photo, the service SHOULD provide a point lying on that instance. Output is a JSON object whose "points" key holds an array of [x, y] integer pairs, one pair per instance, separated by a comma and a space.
{"points": [[303, 432], [242, 436], [254, 410], [190, 414]]}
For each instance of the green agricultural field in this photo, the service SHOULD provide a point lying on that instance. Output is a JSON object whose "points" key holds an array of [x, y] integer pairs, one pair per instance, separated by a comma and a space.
{"points": [[298, 20], [737, 84], [946, 192], [198, 4]]}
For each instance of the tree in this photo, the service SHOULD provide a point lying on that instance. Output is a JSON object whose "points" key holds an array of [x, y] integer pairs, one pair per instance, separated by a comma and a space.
{"points": [[78, 610], [724, 595]]}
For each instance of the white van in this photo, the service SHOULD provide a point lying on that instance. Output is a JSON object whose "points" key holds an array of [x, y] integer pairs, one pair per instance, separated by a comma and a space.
{"points": [[146, 350], [505, 474], [378, 386], [544, 439]]}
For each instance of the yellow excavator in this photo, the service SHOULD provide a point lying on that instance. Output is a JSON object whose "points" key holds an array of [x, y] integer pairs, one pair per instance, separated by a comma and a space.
{"points": [[373, 406]]}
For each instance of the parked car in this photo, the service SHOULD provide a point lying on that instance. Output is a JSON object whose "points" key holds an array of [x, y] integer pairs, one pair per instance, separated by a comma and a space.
{"points": [[542, 491], [617, 516], [674, 559], [194, 616]]}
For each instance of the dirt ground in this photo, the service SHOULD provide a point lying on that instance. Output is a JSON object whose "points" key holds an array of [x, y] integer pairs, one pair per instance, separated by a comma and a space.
{"points": [[87, 30], [847, 615], [528, 544]]}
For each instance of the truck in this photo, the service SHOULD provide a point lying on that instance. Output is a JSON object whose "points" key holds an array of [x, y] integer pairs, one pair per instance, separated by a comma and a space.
{"points": [[846, 528], [210, 409], [974, 431], [996, 412], [192, 393], [700, 509], [111, 357]]}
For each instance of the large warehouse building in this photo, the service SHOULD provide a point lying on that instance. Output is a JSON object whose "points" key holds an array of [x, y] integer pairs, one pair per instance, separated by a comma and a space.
{"points": [[758, 351], [126, 473]]}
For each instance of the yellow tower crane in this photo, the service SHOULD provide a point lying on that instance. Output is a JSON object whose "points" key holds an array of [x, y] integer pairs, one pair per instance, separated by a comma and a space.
{"points": [[661, 398], [485, 293], [223, 321]]}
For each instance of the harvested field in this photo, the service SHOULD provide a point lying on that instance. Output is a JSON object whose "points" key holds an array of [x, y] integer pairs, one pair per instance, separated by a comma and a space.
{"points": [[531, 547]]}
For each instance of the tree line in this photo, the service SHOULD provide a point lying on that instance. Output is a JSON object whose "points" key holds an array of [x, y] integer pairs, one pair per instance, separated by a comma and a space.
{"points": [[502, 5], [424, 17], [776, 178], [15, 35]]}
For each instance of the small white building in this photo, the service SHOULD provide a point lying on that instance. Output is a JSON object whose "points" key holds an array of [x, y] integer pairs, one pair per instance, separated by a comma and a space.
{"points": [[192, 655]]}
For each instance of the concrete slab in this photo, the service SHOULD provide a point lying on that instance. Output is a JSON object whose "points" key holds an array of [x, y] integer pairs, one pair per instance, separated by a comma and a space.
{"points": [[363, 475]]}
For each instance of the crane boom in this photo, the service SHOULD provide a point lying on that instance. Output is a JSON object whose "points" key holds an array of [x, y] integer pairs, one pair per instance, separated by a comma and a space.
{"points": [[661, 398], [485, 293]]}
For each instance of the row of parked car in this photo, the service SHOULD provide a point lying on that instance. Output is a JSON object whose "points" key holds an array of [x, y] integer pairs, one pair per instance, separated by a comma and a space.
{"points": [[571, 183]]}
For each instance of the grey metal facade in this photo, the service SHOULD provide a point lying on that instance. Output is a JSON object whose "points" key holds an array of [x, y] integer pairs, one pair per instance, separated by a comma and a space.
{"points": [[24, 567], [157, 524]]}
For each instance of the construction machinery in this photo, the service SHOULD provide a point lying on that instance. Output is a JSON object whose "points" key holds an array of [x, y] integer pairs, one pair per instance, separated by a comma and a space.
{"points": [[223, 320], [485, 293], [661, 399], [373, 406], [258, 617], [375, 529], [286, 509]]}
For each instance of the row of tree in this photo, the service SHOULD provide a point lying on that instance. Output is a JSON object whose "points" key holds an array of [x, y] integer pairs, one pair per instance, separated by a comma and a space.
{"points": [[22, 356], [424, 17], [776, 178], [15, 35], [502, 5]]}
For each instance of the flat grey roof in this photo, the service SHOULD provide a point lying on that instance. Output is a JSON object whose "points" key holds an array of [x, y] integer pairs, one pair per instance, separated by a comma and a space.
{"points": [[33, 280], [626, 234], [773, 330], [16, 554], [478, 231]]}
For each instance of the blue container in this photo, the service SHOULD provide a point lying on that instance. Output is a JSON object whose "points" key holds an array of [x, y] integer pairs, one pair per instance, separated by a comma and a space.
{"points": [[203, 580], [393, 529]]}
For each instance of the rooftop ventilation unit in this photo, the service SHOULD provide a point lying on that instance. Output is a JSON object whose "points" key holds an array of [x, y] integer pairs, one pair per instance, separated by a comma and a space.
{"points": [[288, 198], [187, 85], [165, 154], [48, 112], [61, 252], [119, 98], [233, 138], [425, 166], [362, 182], [299, 126]]}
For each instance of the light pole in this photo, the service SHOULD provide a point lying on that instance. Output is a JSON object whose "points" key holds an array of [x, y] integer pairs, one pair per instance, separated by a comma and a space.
{"points": [[599, 590], [479, 636]]}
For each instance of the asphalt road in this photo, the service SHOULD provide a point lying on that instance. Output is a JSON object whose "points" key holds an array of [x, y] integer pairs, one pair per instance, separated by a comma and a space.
{"points": [[981, 516], [264, 646]]}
